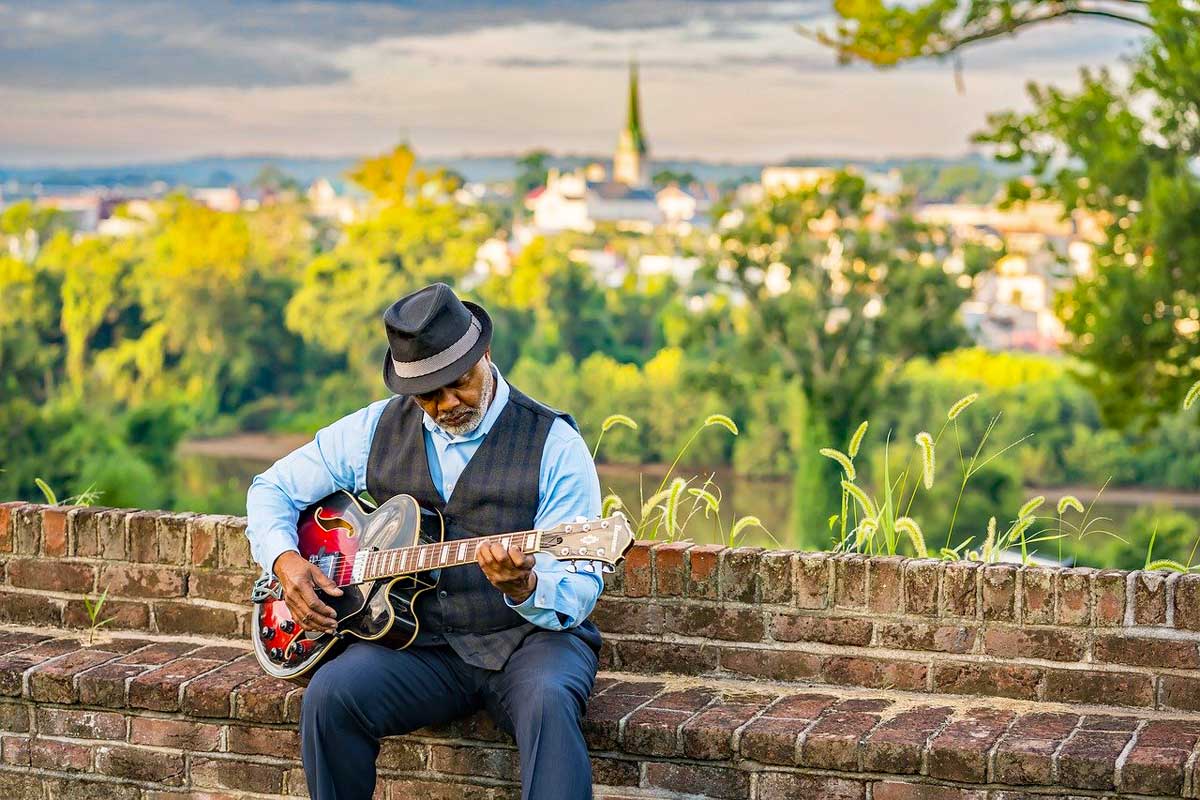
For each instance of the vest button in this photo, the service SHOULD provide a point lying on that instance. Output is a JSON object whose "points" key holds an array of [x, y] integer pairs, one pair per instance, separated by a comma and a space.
{"points": [[442, 593]]}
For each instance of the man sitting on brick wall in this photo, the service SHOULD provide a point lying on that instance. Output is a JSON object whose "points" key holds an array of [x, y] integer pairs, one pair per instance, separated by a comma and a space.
{"points": [[512, 637]]}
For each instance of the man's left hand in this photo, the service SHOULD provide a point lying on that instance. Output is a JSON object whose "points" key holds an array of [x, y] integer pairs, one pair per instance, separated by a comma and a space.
{"points": [[510, 571]]}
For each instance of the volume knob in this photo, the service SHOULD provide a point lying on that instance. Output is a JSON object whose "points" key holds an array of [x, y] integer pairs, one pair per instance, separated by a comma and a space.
{"points": [[276, 654], [267, 632], [287, 626]]}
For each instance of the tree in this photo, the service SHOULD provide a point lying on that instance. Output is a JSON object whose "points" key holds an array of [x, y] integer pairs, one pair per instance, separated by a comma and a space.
{"points": [[1120, 148], [665, 177], [531, 172]]}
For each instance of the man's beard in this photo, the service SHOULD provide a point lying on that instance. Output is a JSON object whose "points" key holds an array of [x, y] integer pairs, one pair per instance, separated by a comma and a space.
{"points": [[470, 420]]}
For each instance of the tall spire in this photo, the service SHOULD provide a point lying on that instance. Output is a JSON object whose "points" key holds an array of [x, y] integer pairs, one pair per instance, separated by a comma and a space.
{"points": [[634, 124]]}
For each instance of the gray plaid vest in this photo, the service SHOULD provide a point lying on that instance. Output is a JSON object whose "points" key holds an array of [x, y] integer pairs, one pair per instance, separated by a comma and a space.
{"points": [[497, 493]]}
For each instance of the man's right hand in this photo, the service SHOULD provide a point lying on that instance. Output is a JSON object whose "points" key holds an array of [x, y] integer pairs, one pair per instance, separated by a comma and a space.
{"points": [[299, 579]]}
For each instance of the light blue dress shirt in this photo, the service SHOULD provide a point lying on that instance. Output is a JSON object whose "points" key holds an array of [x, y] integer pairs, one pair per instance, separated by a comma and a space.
{"points": [[336, 458]]}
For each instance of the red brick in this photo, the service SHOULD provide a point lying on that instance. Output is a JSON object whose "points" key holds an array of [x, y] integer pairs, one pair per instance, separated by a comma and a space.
{"points": [[51, 575], [850, 581], [159, 653], [1154, 771], [637, 575], [999, 680], [235, 547], [876, 673], [7, 512], [139, 580], [160, 688], [27, 529], [185, 617], [773, 665], [805, 628], [105, 685], [1037, 595], [83, 531], [739, 574], [795, 786], [708, 735], [1187, 602], [1089, 758], [178, 734], [652, 731], [1109, 589], [1049, 643], [812, 580], [202, 535], [15, 750], [406, 788], [1108, 722], [615, 615], [122, 615], [1093, 686], [775, 581], [601, 726], [834, 741], [227, 773], [393, 753], [925, 636], [1180, 692], [960, 751], [15, 786], [728, 623], [14, 717], [173, 538], [143, 536], [54, 681], [224, 586], [474, 761], [1150, 598], [671, 568], [921, 579], [959, 587], [896, 746], [717, 782], [895, 790], [1074, 590], [80, 724], [110, 534], [652, 657], [60, 755], [691, 700], [260, 741], [804, 706], [1146, 652], [885, 589], [209, 695], [704, 575], [999, 591], [30, 609], [54, 531], [263, 700]]}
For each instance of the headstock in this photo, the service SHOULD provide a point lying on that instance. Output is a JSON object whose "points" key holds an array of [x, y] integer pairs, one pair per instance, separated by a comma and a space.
{"points": [[604, 540]]}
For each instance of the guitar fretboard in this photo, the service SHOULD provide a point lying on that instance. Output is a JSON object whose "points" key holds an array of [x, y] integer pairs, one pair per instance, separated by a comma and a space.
{"points": [[373, 565]]}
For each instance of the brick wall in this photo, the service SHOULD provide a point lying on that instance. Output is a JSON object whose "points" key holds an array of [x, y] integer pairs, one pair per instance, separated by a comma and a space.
{"points": [[732, 673], [1033, 633]]}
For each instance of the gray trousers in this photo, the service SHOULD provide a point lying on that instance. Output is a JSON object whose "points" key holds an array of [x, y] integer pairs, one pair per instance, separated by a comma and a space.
{"points": [[369, 691]]}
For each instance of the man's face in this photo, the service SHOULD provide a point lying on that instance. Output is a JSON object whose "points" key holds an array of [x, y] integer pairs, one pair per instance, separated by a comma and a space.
{"points": [[459, 406]]}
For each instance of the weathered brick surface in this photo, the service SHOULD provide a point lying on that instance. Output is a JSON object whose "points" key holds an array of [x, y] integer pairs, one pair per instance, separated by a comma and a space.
{"points": [[868, 632]]}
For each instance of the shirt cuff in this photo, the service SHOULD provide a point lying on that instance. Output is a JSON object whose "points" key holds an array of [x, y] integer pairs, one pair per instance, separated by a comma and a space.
{"points": [[271, 545], [539, 607]]}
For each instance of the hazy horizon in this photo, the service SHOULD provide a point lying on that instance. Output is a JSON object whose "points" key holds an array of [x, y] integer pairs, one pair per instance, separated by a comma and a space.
{"points": [[144, 81]]}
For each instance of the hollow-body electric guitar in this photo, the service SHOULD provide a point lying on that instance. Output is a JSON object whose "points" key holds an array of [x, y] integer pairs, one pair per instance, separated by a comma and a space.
{"points": [[384, 558]]}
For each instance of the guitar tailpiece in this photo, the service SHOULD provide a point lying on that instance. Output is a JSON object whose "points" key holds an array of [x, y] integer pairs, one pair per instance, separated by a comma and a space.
{"points": [[266, 588]]}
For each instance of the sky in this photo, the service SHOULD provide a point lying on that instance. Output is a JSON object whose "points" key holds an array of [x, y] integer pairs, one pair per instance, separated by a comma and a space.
{"points": [[133, 81]]}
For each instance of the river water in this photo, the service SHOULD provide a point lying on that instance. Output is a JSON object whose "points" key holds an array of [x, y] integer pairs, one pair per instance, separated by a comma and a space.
{"points": [[213, 475]]}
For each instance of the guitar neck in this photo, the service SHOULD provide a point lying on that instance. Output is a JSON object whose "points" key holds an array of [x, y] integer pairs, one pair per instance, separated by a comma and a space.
{"points": [[377, 564]]}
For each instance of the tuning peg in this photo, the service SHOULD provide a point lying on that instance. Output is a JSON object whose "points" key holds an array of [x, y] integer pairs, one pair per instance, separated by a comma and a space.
{"points": [[571, 566], [607, 568]]}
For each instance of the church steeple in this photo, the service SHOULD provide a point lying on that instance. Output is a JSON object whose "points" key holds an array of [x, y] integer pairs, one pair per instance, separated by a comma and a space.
{"points": [[634, 123], [631, 164]]}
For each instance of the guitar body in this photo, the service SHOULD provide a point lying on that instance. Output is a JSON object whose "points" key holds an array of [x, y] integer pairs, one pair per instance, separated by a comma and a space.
{"points": [[384, 559], [331, 533]]}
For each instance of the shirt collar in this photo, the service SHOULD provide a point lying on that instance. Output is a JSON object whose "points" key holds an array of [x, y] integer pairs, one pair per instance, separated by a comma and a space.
{"points": [[499, 400]]}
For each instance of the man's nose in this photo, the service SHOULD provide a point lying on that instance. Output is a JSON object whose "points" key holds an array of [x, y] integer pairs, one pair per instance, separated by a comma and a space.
{"points": [[448, 402]]}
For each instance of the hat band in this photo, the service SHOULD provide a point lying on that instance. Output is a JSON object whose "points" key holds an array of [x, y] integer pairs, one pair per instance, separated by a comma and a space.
{"points": [[437, 361]]}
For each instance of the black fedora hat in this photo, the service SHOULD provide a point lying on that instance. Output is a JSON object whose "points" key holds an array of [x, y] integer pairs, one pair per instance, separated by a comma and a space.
{"points": [[433, 338]]}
